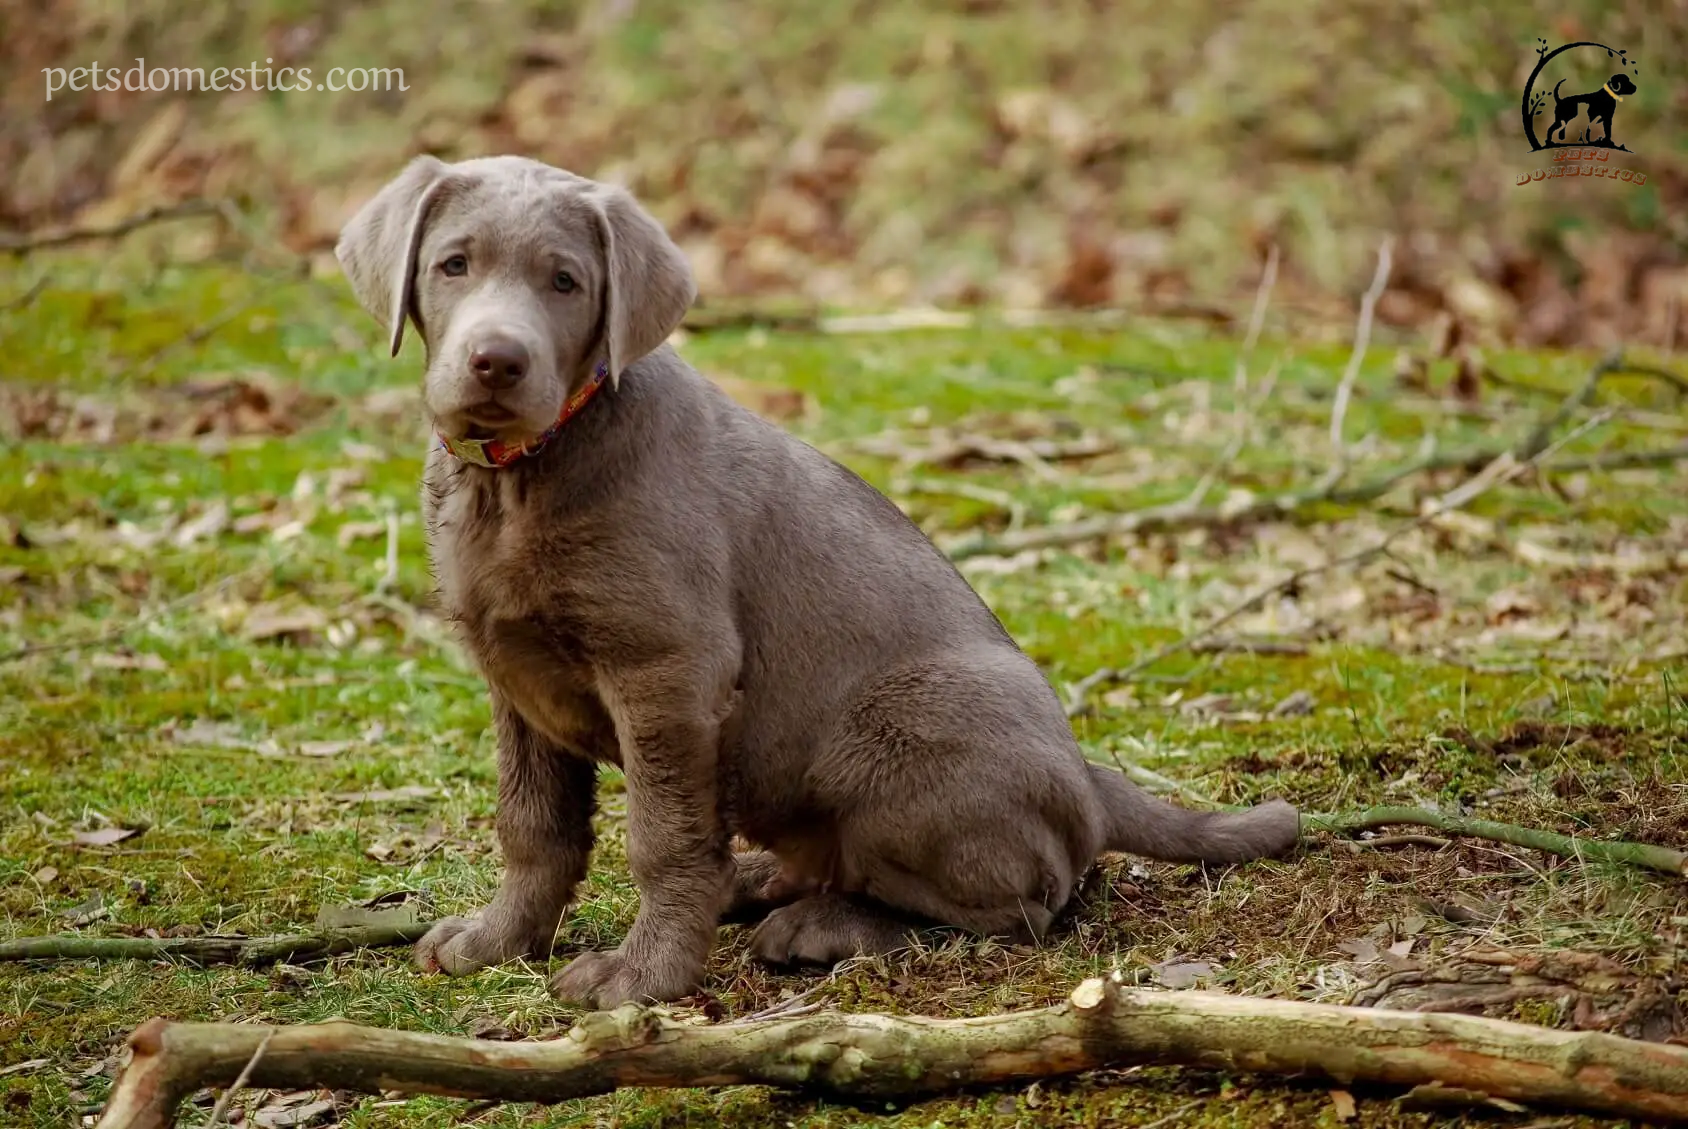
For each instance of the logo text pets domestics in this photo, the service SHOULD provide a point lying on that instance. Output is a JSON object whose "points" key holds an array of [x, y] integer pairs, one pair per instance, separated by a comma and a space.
{"points": [[1581, 127], [222, 79]]}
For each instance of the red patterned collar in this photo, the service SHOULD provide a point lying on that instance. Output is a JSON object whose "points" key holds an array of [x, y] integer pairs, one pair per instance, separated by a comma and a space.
{"points": [[494, 453]]}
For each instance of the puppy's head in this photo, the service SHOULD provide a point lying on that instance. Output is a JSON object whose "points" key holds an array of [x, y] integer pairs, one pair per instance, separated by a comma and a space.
{"points": [[1621, 85], [521, 278]]}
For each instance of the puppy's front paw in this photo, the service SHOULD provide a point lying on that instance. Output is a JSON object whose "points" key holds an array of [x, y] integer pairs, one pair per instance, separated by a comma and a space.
{"points": [[608, 979], [458, 946]]}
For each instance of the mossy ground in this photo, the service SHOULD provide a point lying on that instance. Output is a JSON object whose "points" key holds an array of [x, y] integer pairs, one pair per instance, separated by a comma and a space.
{"points": [[1450, 674]]}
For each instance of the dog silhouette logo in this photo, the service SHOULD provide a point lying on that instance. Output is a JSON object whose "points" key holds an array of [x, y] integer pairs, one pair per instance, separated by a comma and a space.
{"points": [[1581, 119]]}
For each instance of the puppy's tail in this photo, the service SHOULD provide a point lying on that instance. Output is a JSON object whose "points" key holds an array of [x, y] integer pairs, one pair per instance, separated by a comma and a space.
{"points": [[1146, 825], [1556, 86]]}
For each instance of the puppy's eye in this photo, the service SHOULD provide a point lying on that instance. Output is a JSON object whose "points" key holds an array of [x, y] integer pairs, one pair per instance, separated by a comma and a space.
{"points": [[564, 281], [455, 266]]}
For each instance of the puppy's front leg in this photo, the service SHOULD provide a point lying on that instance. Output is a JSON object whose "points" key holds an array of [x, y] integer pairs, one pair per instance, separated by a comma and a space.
{"points": [[676, 845], [545, 798]]}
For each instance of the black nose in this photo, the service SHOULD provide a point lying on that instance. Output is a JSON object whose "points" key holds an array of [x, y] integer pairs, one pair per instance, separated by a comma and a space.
{"points": [[499, 362]]}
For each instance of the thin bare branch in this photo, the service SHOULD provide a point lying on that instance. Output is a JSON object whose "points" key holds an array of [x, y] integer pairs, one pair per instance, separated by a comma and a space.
{"points": [[249, 952], [1362, 340], [1539, 437], [68, 236], [221, 1109]]}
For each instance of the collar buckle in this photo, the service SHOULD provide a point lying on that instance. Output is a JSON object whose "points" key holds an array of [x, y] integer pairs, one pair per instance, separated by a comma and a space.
{"points": [[469, 450]]}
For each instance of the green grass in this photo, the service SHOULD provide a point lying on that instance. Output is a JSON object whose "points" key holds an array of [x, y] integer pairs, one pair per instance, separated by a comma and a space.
{"points": [[131, 720]]}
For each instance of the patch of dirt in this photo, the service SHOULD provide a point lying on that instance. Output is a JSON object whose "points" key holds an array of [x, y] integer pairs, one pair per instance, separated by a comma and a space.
{"points": [[1610, 741]]}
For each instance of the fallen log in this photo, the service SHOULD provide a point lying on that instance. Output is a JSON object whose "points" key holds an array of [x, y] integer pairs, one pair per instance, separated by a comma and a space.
{"points": [[1103, 1023]]}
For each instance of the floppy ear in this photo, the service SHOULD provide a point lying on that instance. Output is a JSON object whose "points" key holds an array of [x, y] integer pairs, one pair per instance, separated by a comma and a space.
{"points": [[377, 249], [648, 284]]}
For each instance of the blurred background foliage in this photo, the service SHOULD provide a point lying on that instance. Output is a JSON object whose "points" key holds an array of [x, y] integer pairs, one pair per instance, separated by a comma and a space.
{"points": [[875, 153]]}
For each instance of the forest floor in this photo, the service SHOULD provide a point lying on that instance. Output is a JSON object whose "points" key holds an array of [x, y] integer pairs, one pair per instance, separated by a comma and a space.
{"points": [[225, 705]]}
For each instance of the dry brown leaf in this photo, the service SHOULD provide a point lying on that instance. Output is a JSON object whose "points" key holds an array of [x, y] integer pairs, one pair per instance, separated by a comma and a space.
{"points": [[359, 917], [1173, 974], [1342, 1105], [407, 793], [276, 1116], [104, 836], [207, 525], [354, 531], [1299, 704], [90, 910], [1362, 949], [213, 734], [276, 621], [324, 748], [1511, 603], [120, 661]]}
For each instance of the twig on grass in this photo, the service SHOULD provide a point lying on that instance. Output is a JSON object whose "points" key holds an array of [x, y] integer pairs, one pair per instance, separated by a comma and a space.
{"points": [[1625, 460], [1536, 442], [1503, 467], [1102, 1023], [1256, 322], [1663, 375], [1182, 514], [1664, 859], [1362, 339], [246, 951], [1291, 504], [1507, 994], [1245, 646], [28, 296], [222, 1106], [1178, 1114], [1433, 842], [1243, 412], [67, 236]]}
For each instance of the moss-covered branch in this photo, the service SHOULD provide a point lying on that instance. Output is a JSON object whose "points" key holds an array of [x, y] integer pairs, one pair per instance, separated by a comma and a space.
{"points": [[1664, 859], [250, 951], [1103, 1023]]}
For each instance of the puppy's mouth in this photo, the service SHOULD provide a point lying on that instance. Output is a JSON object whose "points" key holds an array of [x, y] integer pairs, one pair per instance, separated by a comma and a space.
{"points": [[486, 419]]}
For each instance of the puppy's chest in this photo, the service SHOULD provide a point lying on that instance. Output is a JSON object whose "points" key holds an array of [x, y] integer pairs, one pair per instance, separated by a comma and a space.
{"points": [[479, 561], [517, 627]]}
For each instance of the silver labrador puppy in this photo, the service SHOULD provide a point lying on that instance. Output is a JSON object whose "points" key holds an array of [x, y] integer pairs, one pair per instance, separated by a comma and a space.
{"points": [[653, 577]]}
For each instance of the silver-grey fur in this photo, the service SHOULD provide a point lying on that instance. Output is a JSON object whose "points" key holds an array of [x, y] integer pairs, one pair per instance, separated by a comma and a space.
{"points": [[762, 642]]}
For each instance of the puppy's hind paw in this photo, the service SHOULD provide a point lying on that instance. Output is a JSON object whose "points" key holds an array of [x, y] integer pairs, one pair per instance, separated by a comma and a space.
{"points": [[826, 929]]}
